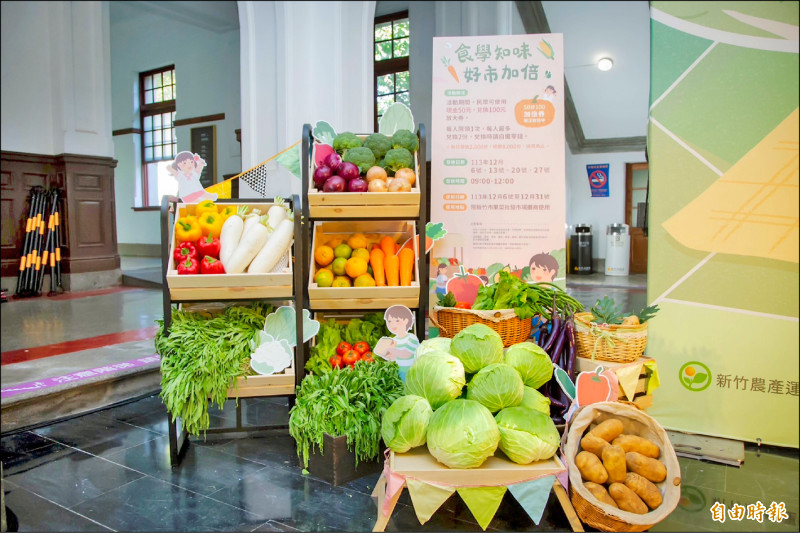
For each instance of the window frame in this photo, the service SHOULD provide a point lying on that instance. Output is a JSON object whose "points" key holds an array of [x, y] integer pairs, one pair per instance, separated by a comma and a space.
{"points": [[149, 110], [388, 66]]}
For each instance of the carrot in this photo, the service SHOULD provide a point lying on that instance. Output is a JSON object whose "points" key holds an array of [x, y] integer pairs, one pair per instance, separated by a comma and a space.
{"points": [[451, 69], [387, 245], [376, 261], [406, 266], [391, 264]]}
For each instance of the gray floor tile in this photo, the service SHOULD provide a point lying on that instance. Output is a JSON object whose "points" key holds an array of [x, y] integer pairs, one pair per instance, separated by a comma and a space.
{"points": [[34, 513]]}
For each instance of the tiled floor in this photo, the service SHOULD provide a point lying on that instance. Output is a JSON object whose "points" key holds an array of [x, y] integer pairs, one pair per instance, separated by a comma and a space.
{"points": [[110, 470]]}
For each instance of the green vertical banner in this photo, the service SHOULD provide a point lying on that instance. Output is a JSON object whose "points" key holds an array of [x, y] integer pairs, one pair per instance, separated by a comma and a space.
{"points": [[723, 251]]}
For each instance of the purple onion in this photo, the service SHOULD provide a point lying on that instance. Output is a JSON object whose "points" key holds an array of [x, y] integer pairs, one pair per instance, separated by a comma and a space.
{"points": [[334, 184], [321, 175], [348, 171], [357, 185], [332, 161]]}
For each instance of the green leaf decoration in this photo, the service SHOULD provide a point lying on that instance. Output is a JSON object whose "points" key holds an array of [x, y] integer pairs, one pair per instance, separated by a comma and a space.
{"points": [[397, 117], [280, 325], [700, 377], [323, 132], [290, 160], [435, 231]]}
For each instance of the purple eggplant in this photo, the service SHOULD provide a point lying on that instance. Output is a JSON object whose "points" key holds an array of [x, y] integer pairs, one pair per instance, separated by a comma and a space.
{"points": [[571, 351], [543, 334], [558, 345], [555, 331]]}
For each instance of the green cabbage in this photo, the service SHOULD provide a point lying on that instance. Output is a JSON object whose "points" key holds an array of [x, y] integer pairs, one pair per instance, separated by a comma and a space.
{"points": [[533, 399], [405, 423], [496, 387], [477, 346], [532, 363], [438, 377], [441, 344], [462, 434], [526, 435]]}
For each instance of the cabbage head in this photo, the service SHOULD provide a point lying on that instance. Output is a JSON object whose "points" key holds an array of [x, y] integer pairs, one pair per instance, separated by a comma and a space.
{"points": [[533, 399], [527, 435], [496, 387], [440, 344], [477, 346], [532, 363], [438, 377], [462, 434], [405, 423]]}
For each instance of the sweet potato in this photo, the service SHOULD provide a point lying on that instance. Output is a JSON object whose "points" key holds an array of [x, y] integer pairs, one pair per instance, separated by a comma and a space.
{"points": [[626, 499], [608, 430], [652, 469], [634, 443], [593, 444], [590, 467], [614, 463], [600, 492], [648, 492]]}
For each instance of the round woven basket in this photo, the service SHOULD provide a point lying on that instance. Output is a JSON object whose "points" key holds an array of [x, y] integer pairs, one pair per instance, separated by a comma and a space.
{"points": [[505, 322], [616, 343], [636, 422]]}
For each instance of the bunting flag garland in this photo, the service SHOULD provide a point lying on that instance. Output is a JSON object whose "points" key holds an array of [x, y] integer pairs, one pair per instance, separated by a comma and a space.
{"points": [[394, 484], [427, 498], [654, 382], [257, 176], [563, 476], [533, 495], [628, 377], [483, 502]]}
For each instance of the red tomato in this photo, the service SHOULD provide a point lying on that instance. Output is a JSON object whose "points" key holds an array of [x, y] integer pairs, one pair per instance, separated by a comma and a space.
{"points": [[336, 362], [464, 286], [350, 357], [361, 347], [463, 305], [367, 357], [343, 347]]}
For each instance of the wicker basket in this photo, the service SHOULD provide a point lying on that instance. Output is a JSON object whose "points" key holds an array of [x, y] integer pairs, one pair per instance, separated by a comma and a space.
{"points": [[616, 343], [605, 517], [505, 322]]}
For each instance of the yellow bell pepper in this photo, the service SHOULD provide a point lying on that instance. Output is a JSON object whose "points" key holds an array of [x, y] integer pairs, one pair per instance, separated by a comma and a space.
{"points": [[187, 229], [227, 211], [206, 206], [211, 224]]}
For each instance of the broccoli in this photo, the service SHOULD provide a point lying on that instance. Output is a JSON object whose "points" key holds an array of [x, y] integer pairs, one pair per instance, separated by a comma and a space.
{"points": [[346, 140], [405, 139], [360, 156], [398, 158], [379, 144]]}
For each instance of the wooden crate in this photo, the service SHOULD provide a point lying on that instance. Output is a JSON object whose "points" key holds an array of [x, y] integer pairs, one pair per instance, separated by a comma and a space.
{"points": [[223, 286], [362, 297], [363, 204], [274, 385]]}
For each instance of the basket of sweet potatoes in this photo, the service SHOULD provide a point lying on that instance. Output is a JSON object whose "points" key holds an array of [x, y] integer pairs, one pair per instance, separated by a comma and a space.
{"points": [[623, 471]]}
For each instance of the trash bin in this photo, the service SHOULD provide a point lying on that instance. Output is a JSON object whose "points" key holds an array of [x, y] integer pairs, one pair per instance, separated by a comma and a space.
{"points": [[581, 249], [618, 249]]}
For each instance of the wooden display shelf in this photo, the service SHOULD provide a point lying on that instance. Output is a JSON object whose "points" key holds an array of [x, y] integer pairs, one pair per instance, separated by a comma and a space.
{"points": [[257, 385]]}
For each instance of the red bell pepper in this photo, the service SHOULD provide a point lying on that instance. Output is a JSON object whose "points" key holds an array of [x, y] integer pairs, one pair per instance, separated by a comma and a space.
{"points": [[208, 245], [189, 266], [209, 265], [184, 250]]}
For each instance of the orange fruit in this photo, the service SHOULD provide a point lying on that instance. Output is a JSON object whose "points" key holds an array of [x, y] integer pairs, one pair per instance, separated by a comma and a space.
{"points": [[363, 253], [338, 266], [324, 277], [357, 240], [341, 281], [336, 241], [364, 280], [343, 250], [323, 255], [355, 266]]}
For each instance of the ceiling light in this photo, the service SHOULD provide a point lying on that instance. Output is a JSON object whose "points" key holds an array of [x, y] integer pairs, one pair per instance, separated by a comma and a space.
{"points": [[605, 64]]}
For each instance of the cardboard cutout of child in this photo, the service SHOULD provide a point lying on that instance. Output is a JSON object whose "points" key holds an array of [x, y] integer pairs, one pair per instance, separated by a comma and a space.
{"points": [[186, 169], [402, 347], [543, 267]]}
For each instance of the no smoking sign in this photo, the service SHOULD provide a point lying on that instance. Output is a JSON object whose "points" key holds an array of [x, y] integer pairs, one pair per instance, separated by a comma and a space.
{"points": [[598, 179]]}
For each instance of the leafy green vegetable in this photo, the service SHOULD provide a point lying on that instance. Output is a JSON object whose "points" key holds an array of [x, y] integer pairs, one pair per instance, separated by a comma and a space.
{"points": [[438, 377], [398, 158], [371, 328], [345, 141], [477, 346], [448, 300], [527, 435], [361, 156], [647, 313], [407, 139], [605, 311], [405, 423], [533, 399], [432, 345], [526, 299], [202, 356], [462, 434], [532, 363], [496, 387], [345, 402], [379, 144]]}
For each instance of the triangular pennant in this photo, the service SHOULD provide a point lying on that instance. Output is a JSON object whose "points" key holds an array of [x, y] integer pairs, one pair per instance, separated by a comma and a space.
{"points": [[427, 498], [654, 382], [628, 377], [394, 483], [563, 477], [483, 502], [533, 496]]}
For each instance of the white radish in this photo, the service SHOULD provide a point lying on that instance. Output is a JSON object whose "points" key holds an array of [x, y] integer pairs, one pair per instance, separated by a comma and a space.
{"points": [[251, 244], [250, 220], [274, 249], [277, 212], [231, 234]]}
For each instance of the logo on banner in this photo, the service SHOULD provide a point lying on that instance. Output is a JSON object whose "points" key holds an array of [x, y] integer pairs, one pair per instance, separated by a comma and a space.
{"points": [[598, 179], [695, 376]]}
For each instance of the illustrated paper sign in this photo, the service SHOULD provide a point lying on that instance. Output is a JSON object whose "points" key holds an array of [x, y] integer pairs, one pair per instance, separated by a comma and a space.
{"points": [[497, 154], [186, 170], [595, 386], [598, 180], [402, 346], [272, 347]]}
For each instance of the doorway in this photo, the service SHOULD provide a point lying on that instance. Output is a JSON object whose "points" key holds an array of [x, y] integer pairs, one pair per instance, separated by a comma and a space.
{"points": [[636, 206]]}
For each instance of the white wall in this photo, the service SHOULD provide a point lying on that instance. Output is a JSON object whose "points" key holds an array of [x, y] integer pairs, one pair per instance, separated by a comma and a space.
{"points": [[599, 212], [55, 78], [207, 82]]}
